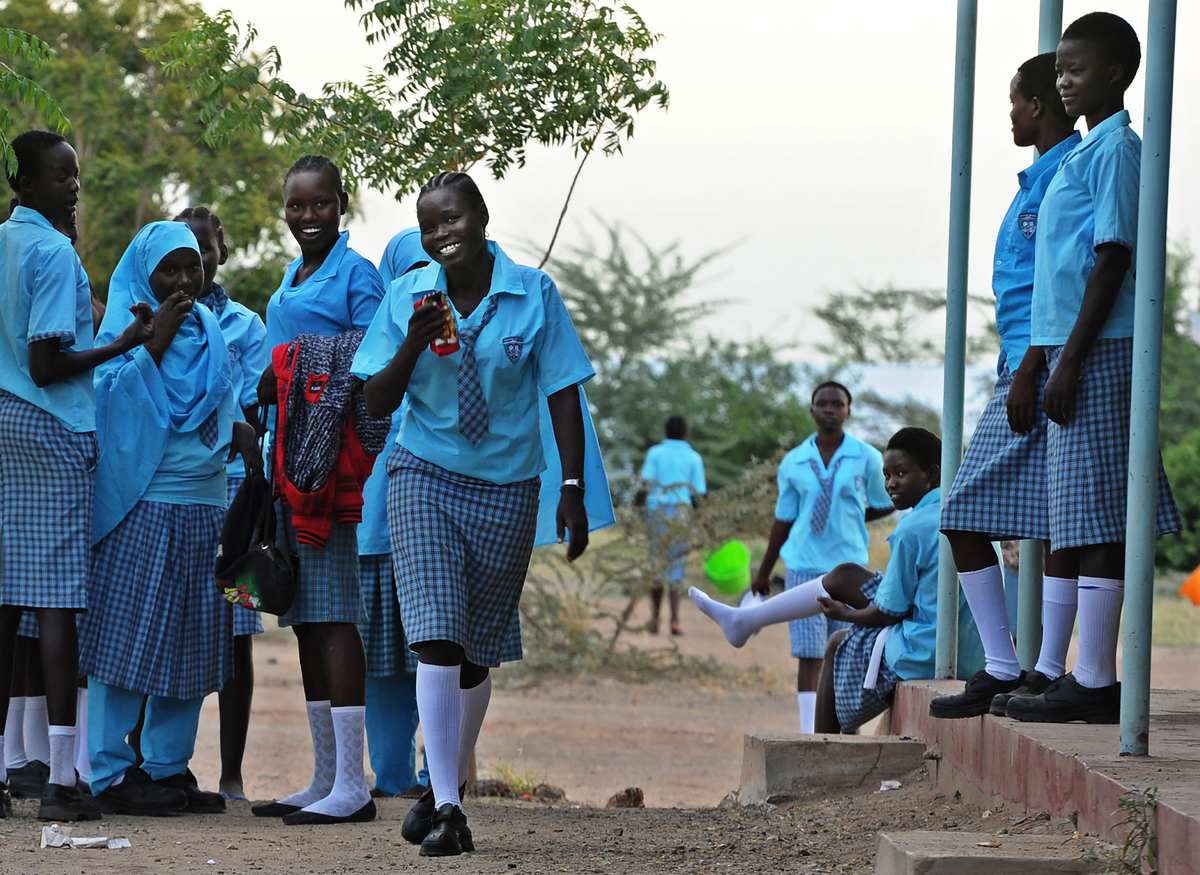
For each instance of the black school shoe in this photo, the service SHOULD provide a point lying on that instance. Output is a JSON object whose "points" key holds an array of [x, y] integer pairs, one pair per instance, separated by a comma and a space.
{"points": [[1035, 684], [67, 804], [29, 781], [198, 801], [273, 809], [976, 697], [139, 796], [300, 818], [450, 835], [419, 820], [1065, 701]]}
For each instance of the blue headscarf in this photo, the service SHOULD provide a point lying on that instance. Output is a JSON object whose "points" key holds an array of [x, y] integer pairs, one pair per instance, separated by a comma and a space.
{"points": [[402, 252]]}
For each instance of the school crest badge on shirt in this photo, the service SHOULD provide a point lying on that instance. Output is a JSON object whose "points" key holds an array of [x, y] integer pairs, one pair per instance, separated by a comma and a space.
{"points": [[1027, 222], [513, 347]]}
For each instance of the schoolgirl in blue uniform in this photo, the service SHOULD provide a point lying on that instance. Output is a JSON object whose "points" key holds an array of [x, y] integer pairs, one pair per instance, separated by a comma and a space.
{"points": [[48, 431], [157, 630], [246, 339], [999, 492], [463, 496], [328, 290]]}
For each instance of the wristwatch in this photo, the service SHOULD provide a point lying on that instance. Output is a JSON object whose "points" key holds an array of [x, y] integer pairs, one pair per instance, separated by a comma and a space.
{"points": [[574, 481]]}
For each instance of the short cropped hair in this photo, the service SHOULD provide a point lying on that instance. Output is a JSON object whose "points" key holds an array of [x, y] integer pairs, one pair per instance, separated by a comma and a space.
{"points": [[1115, 36], [920, 443], [204, 214], [1036, 78], [830, 384], [676, 428], [460, 182], [29, 148], [316, 164]]}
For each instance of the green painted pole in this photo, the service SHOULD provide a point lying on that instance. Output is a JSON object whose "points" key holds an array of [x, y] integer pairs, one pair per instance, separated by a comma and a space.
{"points": [[1147, 374], [946, 661], [1029, 586]]}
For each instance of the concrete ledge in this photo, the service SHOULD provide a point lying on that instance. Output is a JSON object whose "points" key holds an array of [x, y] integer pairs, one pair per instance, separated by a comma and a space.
{"points": [[1067, 769], [966, 853], [779, 768]]}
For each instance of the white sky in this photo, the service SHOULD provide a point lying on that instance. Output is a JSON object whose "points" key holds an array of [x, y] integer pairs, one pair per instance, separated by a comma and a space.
{"points": [[814, 135]]}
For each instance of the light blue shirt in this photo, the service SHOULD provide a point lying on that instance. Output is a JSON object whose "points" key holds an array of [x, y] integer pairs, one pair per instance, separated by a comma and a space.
{"points": [[45, 294], [401, 253], [857, 485], [529, 344], [246, 340], [909, 590], [673, 472], [342, 294], [1012, 274], [1092, 200]]}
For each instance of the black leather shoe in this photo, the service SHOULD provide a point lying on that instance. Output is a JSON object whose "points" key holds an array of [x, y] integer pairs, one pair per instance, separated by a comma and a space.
{"points": [[976, 697], [1065, 701], [67, 804], [273, 809], [1035, 684], [445, 840], [29, 781], [419, 820], [5, 801], [299, 818], [198, 801], [139, 796]]}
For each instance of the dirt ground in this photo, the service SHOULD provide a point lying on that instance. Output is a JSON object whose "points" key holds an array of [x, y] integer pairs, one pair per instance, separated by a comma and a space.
{"points": [[681, 744]]}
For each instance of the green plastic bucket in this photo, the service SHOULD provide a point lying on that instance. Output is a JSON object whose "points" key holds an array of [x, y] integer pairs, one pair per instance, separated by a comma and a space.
{"points": [[729, 568]]}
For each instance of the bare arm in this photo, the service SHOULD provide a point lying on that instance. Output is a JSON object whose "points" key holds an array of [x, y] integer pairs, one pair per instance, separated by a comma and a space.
{"points": [[385, 390], [878, 513], [49, 363], [779, 534], [1022, 394], [566, 415], [868, 616]]}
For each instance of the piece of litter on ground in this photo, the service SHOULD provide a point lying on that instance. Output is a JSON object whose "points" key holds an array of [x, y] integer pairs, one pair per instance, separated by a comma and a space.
{"points": [[988, 844], [212, 862], [55, 836], [889, 785]]}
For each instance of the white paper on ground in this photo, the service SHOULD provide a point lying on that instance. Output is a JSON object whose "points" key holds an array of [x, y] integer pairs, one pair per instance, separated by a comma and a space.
{"points": [[889, 785], [54, 836]]}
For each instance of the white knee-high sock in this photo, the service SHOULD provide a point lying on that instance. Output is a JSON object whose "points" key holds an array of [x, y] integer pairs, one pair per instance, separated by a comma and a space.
{"points": [[14, 733], [808, 711], [474, 708], [37, 729], [739, 624], [349, 791], [320, 724], [439, 704], [984, 590], [62, 755], [1060, 596], [1100, 601], [82, 764]]}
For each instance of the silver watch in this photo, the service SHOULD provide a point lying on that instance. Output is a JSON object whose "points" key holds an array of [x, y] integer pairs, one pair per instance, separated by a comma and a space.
{"points": [[574, 481]]}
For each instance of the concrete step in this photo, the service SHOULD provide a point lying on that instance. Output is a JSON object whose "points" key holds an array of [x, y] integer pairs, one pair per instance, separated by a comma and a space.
{"points": [[782, 767], [968, 853]]}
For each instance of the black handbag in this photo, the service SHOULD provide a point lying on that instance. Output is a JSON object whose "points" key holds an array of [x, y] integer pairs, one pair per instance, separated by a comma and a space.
{"points": [[252, 570]]}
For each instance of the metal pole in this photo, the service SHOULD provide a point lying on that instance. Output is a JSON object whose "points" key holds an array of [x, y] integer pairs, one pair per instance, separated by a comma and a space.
{"points": [[946, 663], [1029, 581], [1147, 373]]}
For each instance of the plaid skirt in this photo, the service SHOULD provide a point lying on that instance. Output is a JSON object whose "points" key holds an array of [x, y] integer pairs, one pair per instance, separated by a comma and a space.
{"points": [[245, 621], [668, 543], [28, 627], [382, 633], [1000, 488], [47, 487], [460, 553], [1087, 461], [156, 623], [328, 589], [854, 705], [811, 634]]}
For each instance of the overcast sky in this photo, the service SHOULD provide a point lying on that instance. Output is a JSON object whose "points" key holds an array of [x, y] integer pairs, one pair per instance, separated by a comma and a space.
{"points": [[813, 135]]}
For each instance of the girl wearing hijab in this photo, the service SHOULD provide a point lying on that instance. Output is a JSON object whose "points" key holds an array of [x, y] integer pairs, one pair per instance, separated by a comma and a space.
{"points": [[157, 628]]}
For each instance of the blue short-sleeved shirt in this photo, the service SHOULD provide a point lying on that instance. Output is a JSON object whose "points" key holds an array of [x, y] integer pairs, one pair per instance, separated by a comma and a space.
{"points": [[246, 339], [673, 472], [1093, 199], [344, 293], [45, 294], [1012, 273], [529, 344], [857, 485], [909, 590]]}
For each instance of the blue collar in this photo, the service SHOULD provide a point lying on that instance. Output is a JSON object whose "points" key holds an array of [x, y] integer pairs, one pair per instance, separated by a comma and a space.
{"points": [[933, 496], [849, 446], [505, 275], [30, 216], [1049, 161], [1114, 121], [329, 267]]}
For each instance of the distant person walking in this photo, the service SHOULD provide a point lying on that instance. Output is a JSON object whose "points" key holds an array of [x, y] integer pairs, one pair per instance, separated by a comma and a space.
{"points": [[672, 483], [829, 488]]}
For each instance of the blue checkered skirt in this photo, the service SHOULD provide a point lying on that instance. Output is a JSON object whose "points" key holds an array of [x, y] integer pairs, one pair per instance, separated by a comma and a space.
{"points": [[382, 633], [1000, 488], [245, 621], [460, 553], [28, 627], [1087, 461], [811, 634], [156, 622], [668, 543], [328, 589], [854, 705], [47, 487]]}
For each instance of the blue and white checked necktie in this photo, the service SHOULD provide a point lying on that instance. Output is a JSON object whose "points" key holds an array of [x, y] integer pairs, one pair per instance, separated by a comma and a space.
{"points": [[820, 516], [472, 406]]}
